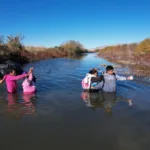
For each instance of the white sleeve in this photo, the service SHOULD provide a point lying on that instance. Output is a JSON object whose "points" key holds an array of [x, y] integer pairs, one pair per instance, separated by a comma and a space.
{"points": [[120, 78]]}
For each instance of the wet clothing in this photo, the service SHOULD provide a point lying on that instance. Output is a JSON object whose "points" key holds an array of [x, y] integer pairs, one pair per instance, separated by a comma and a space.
{"points": [[11, 82], [89, 80], [109, 82], [28, 86], [105, 82], [96, 79]]}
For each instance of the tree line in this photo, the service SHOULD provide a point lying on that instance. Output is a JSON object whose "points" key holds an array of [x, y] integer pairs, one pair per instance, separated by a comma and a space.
{"points": [[11, 48]]}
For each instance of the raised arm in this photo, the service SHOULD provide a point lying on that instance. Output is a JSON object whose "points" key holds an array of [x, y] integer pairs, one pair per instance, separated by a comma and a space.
{"points": [[120, 78], [21, 76], [96, 79], [124, 78], [31, 76], [1, 81], [17, 77]]}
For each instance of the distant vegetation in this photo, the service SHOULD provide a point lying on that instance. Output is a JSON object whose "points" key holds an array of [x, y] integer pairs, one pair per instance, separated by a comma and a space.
{"points": [[11, 48], [143, 48], [135, 53]]}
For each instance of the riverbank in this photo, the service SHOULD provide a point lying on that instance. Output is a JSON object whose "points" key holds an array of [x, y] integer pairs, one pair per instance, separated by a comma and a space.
{"points": [[137, 55], [14, 50]]}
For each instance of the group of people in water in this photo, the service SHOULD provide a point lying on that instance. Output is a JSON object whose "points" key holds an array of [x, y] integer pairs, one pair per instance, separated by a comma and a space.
{"points": [[11, 78], [92, 81], [105, 81]]}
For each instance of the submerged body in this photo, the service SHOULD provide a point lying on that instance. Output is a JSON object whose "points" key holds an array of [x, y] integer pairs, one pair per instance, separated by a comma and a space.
{"points": [[11, 82], [106, 82], [90, 80], [28, 86], [109, 82]]}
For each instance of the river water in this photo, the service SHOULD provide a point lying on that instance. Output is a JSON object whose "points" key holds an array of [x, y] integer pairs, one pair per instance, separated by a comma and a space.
{"points": [[62, 116]]}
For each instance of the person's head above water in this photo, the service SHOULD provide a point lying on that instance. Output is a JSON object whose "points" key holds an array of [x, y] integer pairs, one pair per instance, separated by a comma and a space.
{"points": [[12, 72], [110, 70], [93, 72]]}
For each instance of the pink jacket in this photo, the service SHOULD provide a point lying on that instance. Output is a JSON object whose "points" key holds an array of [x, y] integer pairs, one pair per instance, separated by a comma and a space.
{"points": [[27, 85], [11, 82]]}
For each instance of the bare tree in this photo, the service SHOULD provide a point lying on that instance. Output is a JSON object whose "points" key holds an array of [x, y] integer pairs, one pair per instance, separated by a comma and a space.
{"points": [[14, 42]]}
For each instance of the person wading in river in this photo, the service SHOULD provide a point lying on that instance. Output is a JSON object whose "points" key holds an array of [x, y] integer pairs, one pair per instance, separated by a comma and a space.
{"points": [[109, 80]]}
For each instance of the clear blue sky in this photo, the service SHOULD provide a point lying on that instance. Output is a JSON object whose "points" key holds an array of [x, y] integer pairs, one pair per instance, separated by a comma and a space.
{"points": [[91, 22]]}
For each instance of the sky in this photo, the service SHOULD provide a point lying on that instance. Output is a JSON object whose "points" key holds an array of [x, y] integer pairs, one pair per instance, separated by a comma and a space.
{"points": [[93, 23]]}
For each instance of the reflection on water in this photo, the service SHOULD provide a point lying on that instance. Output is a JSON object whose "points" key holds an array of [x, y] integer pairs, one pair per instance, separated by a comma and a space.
{"points": [[56, 117], [19, 109], [78, 57], [103, 100]]}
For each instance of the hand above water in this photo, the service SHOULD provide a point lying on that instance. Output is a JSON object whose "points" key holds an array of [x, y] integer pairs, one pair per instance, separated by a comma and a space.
{"points": [[130, 78], [30, 71]]}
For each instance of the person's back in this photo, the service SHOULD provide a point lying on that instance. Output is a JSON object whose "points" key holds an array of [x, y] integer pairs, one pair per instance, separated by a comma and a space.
{"points": [[11, 84], [91, 79], [28, 86], [109, 83]]}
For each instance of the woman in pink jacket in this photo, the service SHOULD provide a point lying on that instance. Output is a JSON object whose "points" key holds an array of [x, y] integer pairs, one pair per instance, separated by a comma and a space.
{"points": [[27, 85], [11, 79]]}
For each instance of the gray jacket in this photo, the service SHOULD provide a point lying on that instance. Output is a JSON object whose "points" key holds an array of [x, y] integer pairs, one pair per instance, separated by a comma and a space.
{"points": [[109, 83]]}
